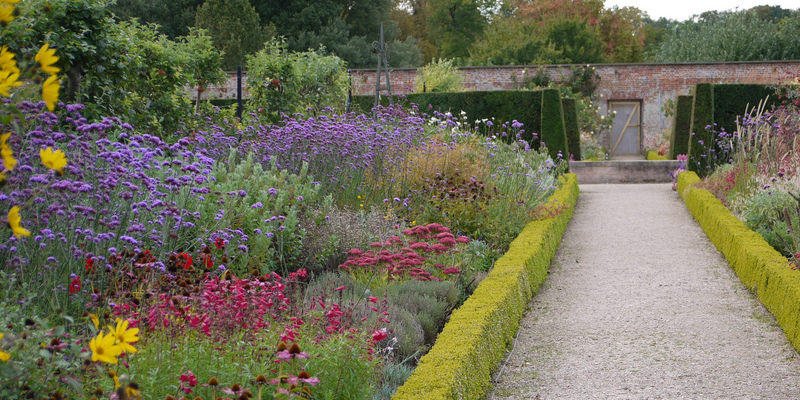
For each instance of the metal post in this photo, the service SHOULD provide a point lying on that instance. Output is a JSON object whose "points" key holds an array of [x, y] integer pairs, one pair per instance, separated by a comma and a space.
{"points": [[239, 92]]}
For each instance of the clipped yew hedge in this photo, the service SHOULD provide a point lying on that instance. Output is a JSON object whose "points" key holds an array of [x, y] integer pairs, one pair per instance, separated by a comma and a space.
{"points": [[572, 128], [760, 267], [474, 341], [539, 111], [681, 125]]}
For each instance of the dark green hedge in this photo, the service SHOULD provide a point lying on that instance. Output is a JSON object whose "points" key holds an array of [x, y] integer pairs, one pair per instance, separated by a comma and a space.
{"points": [[716, 107], [553, 132], [733, 100], [701, 136], [572, 128], [525, 106], [681, 123]]}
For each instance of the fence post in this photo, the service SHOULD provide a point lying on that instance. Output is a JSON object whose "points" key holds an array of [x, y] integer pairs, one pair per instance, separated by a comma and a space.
{"points": [[239, 92]]}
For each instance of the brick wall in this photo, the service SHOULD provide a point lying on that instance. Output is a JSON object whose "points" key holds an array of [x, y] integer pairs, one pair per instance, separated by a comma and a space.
{"points": [[652, 84]]}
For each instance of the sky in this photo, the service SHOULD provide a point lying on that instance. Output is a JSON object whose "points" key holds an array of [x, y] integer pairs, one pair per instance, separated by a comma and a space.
{"points": [[682, 10]]}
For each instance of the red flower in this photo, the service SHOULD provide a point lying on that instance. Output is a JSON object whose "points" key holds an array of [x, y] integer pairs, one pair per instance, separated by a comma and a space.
{"points": [[89, 265], [378, 335], [207, 261], [188, 381], [185, 260], [75, 285], [219, 243]]}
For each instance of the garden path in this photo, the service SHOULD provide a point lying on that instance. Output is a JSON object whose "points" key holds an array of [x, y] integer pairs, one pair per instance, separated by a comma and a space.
{"points": [[640, 305]]}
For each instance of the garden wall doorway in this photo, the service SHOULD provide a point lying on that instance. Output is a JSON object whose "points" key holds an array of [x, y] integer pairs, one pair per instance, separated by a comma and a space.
{"points": [[626, 132]]}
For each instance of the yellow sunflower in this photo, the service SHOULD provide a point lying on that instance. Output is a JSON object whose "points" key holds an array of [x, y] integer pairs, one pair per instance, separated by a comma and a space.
{"points": [[104, 349], [46, 57], [13, 222], [54, 160], [124, 336], [50, 90]]}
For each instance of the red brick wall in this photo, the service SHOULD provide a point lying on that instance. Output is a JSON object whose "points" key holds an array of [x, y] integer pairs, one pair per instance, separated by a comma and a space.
{"points": [[653, 84]]}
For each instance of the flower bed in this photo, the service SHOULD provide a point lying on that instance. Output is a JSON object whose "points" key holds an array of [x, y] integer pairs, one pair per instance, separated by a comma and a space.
{"points": [[759, 266], [460, 364]]}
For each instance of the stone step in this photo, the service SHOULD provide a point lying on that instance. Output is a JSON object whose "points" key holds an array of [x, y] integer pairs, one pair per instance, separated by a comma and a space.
{"points": [[623, 171]]}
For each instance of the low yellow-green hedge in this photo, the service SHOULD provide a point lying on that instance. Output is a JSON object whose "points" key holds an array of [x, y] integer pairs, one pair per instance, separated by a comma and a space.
{"points": [[653, 156], [759, 266], [473, 342]]}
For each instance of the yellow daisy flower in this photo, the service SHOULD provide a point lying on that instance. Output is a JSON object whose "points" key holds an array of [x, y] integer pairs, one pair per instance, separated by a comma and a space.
{"points": [[54, 160], [46, 57], [4, 357], [50, 90], [5, 152], [95, 320], [6, 12], [104, 350], [13, 222], [125, 336], [9, 1], [7, 61], [8, 79]]}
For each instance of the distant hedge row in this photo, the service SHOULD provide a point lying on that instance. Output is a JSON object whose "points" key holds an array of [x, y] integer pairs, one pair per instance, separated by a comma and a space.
{"points": [[714, 108], [540, 111]]}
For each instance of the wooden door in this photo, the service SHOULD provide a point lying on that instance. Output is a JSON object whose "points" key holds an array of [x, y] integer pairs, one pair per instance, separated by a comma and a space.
{"points": [[626, 132]]}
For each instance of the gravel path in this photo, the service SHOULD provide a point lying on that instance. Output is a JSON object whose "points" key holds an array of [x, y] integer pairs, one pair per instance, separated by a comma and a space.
{"points": [[639, 305]]}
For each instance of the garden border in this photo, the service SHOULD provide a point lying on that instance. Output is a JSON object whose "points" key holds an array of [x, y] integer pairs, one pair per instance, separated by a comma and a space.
{"points": [[761, 268], [474, 341]]}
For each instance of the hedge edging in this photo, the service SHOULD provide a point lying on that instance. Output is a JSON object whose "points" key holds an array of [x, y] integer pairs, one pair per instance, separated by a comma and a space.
{"points": [[761, 268], [653, 156], [473, 342]]}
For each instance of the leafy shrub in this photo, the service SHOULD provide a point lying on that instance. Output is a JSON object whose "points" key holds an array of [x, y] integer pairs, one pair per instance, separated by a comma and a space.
{"points": [[767, 213], [429, 302], [439, 76], [281, 82]]}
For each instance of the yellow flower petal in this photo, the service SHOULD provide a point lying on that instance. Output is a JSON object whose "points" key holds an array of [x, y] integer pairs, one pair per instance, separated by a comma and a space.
{"points": [[14, 220], [8, 79], [5, 152], [7, 61], [46, 57], [6, 12], [50, 90], [104, 350], [55, 160]]}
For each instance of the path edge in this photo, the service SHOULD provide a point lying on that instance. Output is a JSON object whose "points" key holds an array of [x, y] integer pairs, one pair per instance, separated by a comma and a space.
{"points": [[474, 341], [760, 268]]}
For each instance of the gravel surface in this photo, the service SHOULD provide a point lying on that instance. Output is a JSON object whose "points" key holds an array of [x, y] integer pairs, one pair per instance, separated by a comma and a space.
{"points": [[639, 305]]}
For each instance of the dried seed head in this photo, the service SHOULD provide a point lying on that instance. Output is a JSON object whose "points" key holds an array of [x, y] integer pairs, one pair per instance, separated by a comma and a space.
{"points": [[213, 382], [281, 346], [235, 387], [261, 379]]}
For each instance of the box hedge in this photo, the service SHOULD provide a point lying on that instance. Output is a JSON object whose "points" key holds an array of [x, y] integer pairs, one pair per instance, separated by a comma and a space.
{"points": [[474, 341], [761, 268], [681, 125], [572, 128], [539, 111], [716, 107]]}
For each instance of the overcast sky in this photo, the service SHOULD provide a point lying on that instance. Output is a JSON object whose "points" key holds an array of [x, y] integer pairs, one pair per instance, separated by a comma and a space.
{"points": [[682, 10]]}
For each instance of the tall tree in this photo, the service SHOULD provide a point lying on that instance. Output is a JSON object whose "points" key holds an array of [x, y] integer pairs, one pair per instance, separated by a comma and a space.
{"points": [[345, 28], [732, 36], [234, 28], [455, 25], [174, 17], [411, 17]]}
